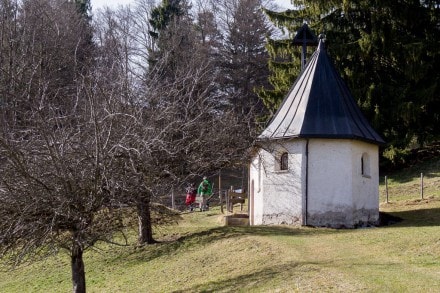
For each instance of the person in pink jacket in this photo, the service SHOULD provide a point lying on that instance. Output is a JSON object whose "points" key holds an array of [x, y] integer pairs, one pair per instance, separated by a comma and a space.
{"points": [[190, 196]]}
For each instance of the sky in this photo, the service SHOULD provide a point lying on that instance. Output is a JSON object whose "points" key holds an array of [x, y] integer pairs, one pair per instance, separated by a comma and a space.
{"points": [[114, 3]]}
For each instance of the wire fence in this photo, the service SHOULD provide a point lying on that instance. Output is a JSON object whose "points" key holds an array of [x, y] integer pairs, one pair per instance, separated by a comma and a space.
{"points": [[219, 197], [423, 188]]}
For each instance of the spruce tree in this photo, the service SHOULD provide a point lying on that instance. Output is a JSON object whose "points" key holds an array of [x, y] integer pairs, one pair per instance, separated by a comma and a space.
{"points": [[387, 53], [173, 34], [285, 58]]}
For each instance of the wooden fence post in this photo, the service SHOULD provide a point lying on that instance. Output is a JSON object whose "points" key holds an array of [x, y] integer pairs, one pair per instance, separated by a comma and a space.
{"points": [[421, 185], [173, 205], [220, 190], [386, 187]]}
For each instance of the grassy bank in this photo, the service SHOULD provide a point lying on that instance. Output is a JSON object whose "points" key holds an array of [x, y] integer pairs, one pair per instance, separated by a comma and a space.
{"points": [[200, 255]]}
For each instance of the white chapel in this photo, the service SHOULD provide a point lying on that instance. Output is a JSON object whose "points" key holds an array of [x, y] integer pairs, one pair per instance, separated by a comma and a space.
{"points": [[317, 161]]}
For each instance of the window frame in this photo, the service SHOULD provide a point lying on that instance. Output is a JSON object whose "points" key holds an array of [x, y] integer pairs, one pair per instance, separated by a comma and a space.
{"points": [[284, 162], [365, 165]]}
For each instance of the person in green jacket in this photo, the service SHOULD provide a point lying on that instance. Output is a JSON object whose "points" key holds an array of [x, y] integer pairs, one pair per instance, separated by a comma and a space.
{"points": [[204, 191]]}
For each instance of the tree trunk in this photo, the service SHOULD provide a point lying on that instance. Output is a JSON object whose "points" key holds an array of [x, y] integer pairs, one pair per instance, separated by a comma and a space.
{"points": [[78, 272], [144, 219]]}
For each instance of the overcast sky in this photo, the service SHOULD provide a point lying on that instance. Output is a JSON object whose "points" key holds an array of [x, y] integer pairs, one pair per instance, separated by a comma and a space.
{"points": [[113, 3]]}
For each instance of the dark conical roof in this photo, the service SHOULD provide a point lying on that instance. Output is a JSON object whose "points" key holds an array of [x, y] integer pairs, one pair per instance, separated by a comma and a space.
{"points": [[319, 105]]}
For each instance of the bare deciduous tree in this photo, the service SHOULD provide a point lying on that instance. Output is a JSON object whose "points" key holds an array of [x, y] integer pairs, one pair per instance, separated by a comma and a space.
{"points": [[79, 140], [58, 140], [186, 126]]}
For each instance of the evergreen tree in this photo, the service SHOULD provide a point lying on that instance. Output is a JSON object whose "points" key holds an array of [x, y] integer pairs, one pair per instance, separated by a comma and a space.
{"points": [[162, 15], [174, 36], [285, 58], [387, 52], [244, 56]]}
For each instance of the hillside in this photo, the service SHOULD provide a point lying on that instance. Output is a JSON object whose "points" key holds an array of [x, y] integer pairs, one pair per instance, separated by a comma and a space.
{"points": [[200, 255]]}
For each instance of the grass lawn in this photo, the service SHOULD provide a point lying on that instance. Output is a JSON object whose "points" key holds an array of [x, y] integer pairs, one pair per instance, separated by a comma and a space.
{"points": [[200, 255]]}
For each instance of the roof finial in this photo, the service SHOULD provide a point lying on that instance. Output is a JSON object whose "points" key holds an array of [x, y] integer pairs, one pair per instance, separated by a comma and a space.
{"points": [[304, 37], [322, 39]]}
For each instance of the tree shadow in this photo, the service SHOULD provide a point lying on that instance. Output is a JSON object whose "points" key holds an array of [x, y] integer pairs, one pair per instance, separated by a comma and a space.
{"points": [[226, 232], [146, 253], [252, 280], [191, 241], [411, 218]]}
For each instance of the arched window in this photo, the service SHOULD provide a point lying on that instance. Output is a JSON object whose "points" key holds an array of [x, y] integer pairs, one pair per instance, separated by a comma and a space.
{"points": [[365, 165], [284, 161]]}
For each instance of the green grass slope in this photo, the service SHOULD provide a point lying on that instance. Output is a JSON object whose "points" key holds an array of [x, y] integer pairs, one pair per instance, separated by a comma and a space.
{"points": [[200, 255]]}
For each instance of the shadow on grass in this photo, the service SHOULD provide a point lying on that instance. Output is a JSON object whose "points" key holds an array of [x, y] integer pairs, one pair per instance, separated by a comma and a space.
{"points": [[412, 218], [245, 282], [248, 282], [228, 232], [148, 253]]}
